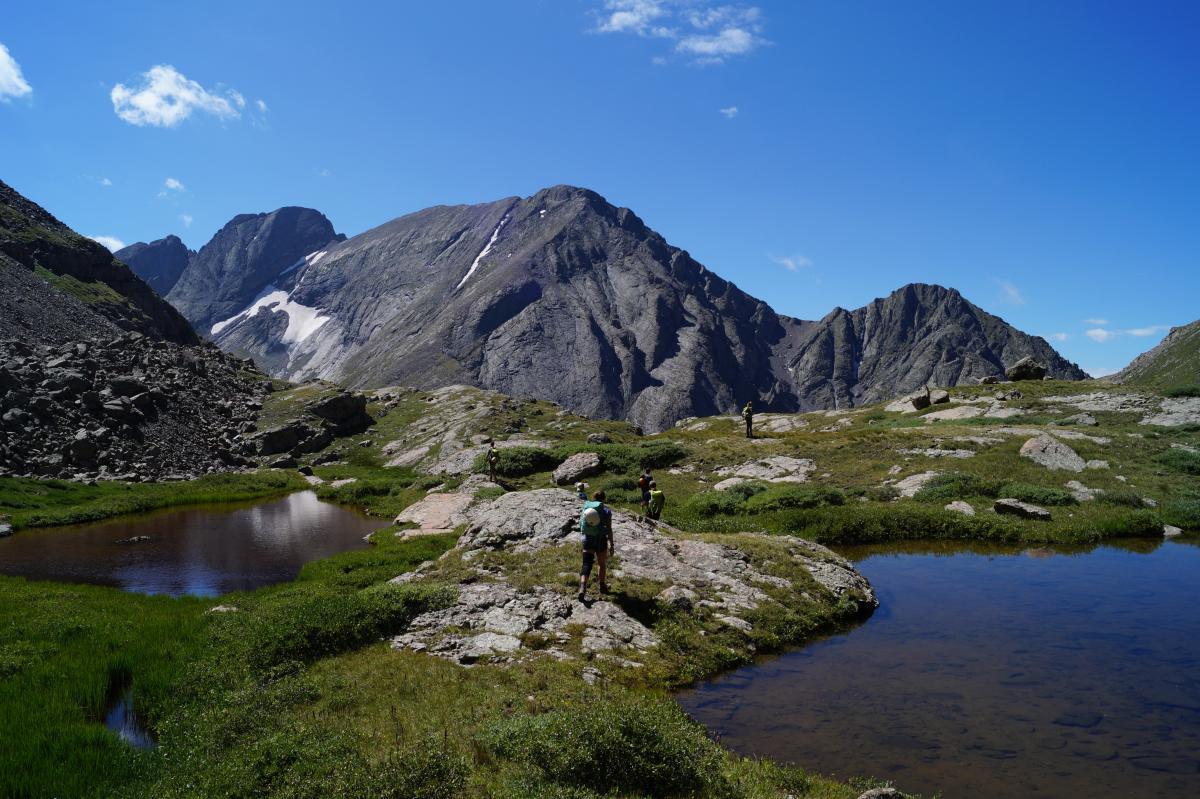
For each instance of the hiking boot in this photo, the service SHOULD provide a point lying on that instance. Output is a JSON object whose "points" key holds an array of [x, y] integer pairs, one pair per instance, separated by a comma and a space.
{"points": [[604, 589]]}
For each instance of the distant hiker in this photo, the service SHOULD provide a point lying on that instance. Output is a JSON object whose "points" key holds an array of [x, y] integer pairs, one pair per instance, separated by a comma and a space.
{"points": [[595, 524], [657, 500], [493, 458], [581, 491], [748, 415], [644, 483]]}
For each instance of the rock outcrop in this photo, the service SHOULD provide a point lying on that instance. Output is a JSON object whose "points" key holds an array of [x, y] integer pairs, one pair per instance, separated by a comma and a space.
{"points": [[160, 263], [1024, 510], [1027, 368], [1173, 363], [494, 617], [1052, 453]]}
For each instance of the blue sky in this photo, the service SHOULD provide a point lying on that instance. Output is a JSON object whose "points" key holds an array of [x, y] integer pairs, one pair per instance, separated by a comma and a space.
{"points": [[1041, 157]]}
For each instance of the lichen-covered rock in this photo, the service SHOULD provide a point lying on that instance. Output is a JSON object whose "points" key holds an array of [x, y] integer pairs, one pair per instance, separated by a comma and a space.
{"points": [[701, 576], [958, 506], [1052, 453], [577, 467], [910, 485], [773, 469]]}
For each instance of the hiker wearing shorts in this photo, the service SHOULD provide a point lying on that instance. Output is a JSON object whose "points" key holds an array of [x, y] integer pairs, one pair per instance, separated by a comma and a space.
{"points": [[595, 526]]}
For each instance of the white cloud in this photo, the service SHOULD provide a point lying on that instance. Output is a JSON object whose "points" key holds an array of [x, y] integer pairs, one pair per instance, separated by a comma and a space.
{"points": [[186, 219], [166, 97], [1100, 335], [1059, 336], [173, 185], [105, 182], [1147, 331], [1102, 371], [111, 242], [262, 106], [703, 32], [792, 263], [12, 82], [1100, 322], [730, 112], [1012, 294]]}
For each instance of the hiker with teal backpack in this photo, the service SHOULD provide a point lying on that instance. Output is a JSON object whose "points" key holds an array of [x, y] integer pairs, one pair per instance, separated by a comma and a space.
{"points": [[657, 500], [595, 524]]}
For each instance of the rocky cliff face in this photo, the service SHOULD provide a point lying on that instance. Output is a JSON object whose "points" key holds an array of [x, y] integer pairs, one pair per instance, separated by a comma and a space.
{"points": [[562, 296], [55, 284], [243, 258], [159, 263], [918, 335]]}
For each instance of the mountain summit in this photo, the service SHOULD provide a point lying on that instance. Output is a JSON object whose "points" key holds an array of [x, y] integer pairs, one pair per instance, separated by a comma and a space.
{"points": [[565, 297]]}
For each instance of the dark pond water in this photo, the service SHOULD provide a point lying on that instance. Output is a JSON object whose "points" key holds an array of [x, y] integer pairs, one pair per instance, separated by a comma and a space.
{"points": [[202, 551], [992, 673], [121, 719]]}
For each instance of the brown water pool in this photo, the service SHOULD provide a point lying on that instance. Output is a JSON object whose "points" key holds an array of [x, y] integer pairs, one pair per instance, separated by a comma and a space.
{"points": [[992, 672], [203, 551]]}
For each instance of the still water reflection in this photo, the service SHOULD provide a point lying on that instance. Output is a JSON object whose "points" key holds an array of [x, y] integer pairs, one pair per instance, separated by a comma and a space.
{"points": [[202, 551], [993, 673]]}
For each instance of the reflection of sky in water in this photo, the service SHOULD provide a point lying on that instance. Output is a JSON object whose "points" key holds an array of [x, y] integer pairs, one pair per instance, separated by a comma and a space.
{"points": [[992, 674], [124, 722], [205, 552]]}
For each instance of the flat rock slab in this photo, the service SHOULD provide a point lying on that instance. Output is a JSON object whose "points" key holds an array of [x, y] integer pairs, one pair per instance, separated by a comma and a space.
{"points": [[1015, 507], [910, 485], [1176, 411], [1075, 435], [958, 506], [952, 414], [779, 422], [940, 453], [527, 522], [1052, 453], [773, 469], [435, 514]]}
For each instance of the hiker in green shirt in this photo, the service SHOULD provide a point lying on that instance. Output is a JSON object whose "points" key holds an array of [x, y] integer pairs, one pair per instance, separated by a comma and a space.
{"points": [[595, 525], [493, 458], [748, 415], [657, 500]]}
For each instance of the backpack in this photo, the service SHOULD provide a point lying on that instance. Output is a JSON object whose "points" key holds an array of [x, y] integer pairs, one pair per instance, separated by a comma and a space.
{"points": [[657, 500], [643, 483], [593, 509]]}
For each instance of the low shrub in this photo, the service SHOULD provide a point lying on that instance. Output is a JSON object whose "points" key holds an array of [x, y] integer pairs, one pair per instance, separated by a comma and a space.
{"points": [[1038, 495], [744, 491], [859, 523], [1192, 390], [957, 485], [882, 493], [616, 745], [520, 461], [708, 503], [1180, 460], [428, 772], [782, 497], [1183, 513], [1123, 498]]}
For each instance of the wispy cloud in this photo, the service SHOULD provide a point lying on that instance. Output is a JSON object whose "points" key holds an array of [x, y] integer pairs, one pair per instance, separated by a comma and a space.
{"points": [[111, 242], [12, 82], [792, 263], [105, 182], [171, 186], [1100, 335], [323, 172], [704, 33], [1097, 321], [730, 112], [186, 219], [1147, 331], [1012, 294], [165, 97], [1060, 337], [262, 106]]}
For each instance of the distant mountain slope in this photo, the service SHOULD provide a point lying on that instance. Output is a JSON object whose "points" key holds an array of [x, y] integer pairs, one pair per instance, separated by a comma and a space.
{"points": [[56, 284], [159, 263], [562, 296], [242, 259], [1174, 363], [918, 335]]}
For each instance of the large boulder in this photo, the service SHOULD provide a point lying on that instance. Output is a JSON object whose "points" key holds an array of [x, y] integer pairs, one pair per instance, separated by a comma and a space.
{"points": [[1015, 507], [284, 438], [1052, 453], [346, 412], [1026, 369], [577, 467]]}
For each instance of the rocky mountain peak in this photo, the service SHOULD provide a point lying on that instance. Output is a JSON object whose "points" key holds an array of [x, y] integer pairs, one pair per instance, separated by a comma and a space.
{"points": [[159, 263]]}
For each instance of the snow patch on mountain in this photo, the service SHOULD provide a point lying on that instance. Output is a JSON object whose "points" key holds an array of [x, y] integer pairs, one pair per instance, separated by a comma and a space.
{"points": [[482, 253], [303, 321]]}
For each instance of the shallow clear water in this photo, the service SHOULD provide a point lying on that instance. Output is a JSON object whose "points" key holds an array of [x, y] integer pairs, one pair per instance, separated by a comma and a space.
{"points": [[201, 551], [998, 673]]}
